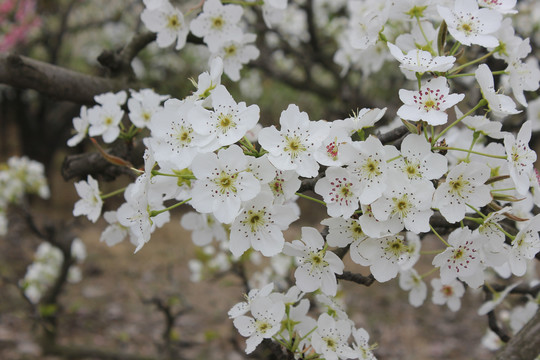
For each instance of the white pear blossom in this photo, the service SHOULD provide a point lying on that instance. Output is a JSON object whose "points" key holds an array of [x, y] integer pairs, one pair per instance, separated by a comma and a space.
{"points": [[340, 191], [331, 338], [367, 161], [168, 22], [449, 294], [284, 185], [143, 105], [173, 134], [260, 225], [429, 103], [420, 61], [80, 124], [105, 120], [223, 182], [405, 204], [364, 29], [90, 203], [115, 232], [204, 228], [417, 161], [500, 104], [361, 119], [217, 23], [502, 6], [243, 307], [462, 258], [520, 157], [525, 246], [523, 76], [470, 25], [409, 280], [292, 147], [498, 298], [235, 53], [226, 124], [464, 186], [361, 347], [342, 232], [318, 266], [265, 323]]}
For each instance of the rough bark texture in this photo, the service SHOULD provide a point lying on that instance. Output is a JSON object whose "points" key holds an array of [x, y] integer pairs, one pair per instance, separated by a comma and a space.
{"points": [[51, 80], [525, 345]]}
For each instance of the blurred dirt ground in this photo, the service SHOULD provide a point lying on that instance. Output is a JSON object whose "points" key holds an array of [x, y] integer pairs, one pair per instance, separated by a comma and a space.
{"points": [[106, 310]]}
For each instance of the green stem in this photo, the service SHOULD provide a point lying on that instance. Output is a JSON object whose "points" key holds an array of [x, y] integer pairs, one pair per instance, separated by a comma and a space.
{"points": [[157, 212], [500, 72], [439, 236], [243, 3], [310, 198], [481, 103], [430, 252], [424, 35], [394, 158], [507, 189], [476, 135], [111, 194], [510, 236], [472, 62], [476, 220], [455, 48], [477, 211], [469, 151], [428, 273]]}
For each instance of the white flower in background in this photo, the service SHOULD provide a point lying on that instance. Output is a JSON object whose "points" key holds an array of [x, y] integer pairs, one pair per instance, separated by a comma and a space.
{"points": [[266, 322], [449, 294], [498, 298], [260, 225], [410, 281], [110, 98], [420, 61], [223, 183], [318, 266], [226, 124], [204, 228], [362, 349], [90, 203], [462, 259], [470, 25], [500, 104], [502, 6], [217, 23], [143, 105], [520, 157], [168, 22], [525, 246], [364, 29], [417, 161], [236, 53], [524, 76], [292, 147], [340, 191], [80, 124], [429, 103], [464, 185], [384, 256], [521, 315], [330, 339]]}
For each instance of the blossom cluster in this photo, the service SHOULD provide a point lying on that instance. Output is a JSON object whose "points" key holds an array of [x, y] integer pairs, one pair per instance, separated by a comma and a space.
{"points": [[44, 271], [20, 176], [454, 167]]}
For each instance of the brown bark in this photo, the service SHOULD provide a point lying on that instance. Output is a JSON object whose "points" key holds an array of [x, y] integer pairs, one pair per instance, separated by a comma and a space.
{"points": [[525, 345], [51, 80]]}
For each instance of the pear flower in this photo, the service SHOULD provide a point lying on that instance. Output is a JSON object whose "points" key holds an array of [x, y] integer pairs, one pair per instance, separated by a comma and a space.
{"points": [[90, 203], [318, 266], [429, 103], [520, 157]]}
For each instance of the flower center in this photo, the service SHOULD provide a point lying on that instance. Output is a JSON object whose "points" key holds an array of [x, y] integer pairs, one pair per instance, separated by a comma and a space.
{"points": [[255, 219], [294, 146], [217, 23], [226, 183], [173, 22], [230, 50], [225, 122]]}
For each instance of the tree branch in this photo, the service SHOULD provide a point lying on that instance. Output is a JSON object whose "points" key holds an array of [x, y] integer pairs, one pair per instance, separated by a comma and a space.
{"points": [[51, 80], [525, 345], [357, 278]]}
